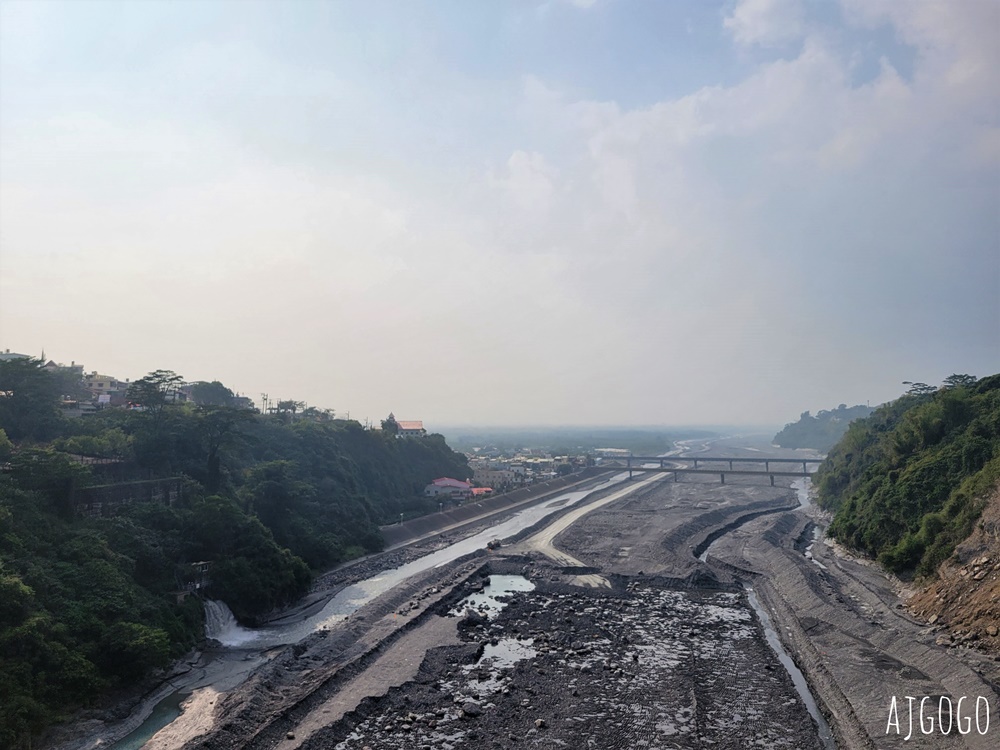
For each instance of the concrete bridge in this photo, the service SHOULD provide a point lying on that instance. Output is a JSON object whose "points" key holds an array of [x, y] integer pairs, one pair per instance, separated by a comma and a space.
{"points": [[640, 463]]}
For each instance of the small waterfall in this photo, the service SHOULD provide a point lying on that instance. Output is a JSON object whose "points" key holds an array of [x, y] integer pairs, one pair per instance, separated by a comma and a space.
{"points": [[221, 625]]}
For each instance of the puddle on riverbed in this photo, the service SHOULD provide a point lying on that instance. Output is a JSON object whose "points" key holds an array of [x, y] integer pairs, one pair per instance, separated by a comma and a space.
{"points": [[489, 668], [494, 595], [507, 652]]}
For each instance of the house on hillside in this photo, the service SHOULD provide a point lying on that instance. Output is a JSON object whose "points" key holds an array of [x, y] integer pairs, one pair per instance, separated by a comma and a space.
{"points": [[104, 385], [411, 429], [454, 489]]}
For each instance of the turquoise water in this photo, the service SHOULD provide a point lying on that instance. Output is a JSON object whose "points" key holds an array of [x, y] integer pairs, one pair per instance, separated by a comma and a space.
{"points": [[165, 712]]}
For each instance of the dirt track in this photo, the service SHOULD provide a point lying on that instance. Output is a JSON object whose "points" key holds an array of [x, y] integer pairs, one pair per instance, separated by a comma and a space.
{"points": [[670, 655]]}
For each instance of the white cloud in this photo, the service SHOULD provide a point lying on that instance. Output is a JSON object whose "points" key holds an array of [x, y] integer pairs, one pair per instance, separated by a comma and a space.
{"points": [[528, 180], [765, 22], [676, 247]]}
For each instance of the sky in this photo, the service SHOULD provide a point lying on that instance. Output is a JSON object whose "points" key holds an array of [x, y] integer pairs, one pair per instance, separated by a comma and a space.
{"points": [[529, 212]]}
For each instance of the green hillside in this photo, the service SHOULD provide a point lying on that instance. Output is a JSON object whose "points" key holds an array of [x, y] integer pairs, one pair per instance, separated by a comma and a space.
{"points": [[906, 484], [822, 431], [92, 603]]}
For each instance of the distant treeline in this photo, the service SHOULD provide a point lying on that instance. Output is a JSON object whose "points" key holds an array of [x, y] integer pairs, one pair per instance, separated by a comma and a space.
{"points": [[88, 604], [822, 431], [561, 441], [907, 483]]}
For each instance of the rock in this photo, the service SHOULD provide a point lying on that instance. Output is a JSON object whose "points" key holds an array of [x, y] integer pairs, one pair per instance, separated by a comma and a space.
{"points": [[934, 619], [290, 736], [471, 709], [992, 630], [540, 723]]}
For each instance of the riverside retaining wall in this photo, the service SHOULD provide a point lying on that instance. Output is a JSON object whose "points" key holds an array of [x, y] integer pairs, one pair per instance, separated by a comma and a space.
{"points": [[463, 515]]}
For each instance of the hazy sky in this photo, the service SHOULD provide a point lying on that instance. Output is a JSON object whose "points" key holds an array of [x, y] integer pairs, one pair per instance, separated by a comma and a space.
{"points": [[572, 211]]}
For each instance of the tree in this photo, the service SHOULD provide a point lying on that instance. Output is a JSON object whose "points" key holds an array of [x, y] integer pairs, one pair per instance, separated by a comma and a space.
{"points": [[918, 389], [318, 415], [211, 394], [155, 391], [390, 426], [219, 427], [960, 381], [29, 400], [290, 407], [6, 447], [130, 649]]}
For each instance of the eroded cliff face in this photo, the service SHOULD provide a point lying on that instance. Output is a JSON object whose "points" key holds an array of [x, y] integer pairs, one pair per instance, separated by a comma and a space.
{"points": [[964, 602]]}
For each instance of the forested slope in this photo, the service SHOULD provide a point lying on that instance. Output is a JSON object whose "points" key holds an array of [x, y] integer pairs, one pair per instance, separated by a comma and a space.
{"points": [[822, 431], [908, 483], [88, 604]]}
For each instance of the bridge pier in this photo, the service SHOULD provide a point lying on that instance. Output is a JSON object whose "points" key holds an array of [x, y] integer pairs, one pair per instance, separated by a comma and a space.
{"points": [[730, 465], [722, 476], [772, 480], [675, 476], [696, 463]]}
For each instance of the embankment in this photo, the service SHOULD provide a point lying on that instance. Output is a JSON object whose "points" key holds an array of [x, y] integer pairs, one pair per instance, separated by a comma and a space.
{"points": [[463, 516]]}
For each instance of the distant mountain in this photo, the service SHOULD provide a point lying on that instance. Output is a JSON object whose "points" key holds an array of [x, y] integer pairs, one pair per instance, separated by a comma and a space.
{"points": [[822, 431]]}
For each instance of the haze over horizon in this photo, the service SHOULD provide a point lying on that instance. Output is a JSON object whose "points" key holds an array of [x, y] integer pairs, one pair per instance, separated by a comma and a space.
{"points": [[570, 212]]}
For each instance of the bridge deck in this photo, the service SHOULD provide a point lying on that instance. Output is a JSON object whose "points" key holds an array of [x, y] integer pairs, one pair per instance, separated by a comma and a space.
{"points": [[668, 470], [720, 472], [734, 459]]}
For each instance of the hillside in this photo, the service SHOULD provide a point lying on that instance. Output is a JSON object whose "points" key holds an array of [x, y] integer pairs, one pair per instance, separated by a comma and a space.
{"points": [[908, 483], [822, 431], [107, 522], [964, 601]]}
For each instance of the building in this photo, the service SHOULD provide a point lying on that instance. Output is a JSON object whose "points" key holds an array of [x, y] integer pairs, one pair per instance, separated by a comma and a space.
{"points": [[454, 489], [495, 477], [410, 429], [104, 385], [8, 355]]}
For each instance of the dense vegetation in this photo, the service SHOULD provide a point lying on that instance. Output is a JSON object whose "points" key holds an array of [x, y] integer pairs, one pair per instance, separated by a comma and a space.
{"points": [[88, 604], [907, 483], [822, 431]]}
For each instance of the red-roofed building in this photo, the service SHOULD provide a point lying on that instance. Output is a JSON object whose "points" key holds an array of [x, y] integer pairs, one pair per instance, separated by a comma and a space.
{"points": [[414, 428], [456, 489]]}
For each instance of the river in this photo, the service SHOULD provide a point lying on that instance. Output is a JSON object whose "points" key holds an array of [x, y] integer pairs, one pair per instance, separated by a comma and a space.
{"points": [[246, 647]]}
